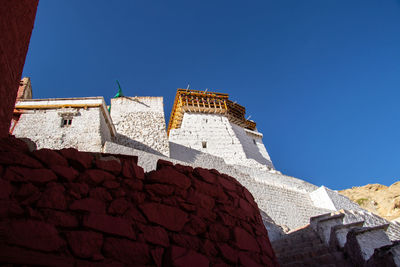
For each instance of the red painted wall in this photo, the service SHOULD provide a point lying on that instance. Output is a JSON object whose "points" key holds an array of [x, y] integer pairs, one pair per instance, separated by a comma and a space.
{"points": [[16, 24], [70, 208]]}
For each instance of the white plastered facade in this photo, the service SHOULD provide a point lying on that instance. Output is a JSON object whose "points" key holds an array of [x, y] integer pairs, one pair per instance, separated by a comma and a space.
{"points": [[42, 121], [216, 135]]}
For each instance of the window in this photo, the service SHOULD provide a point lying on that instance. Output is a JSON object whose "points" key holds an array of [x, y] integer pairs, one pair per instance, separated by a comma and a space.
{"points": [[204, 144], [66, 122], [254, 141]]}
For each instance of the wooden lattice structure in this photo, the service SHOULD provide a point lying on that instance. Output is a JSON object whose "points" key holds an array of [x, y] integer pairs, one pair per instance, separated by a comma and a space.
{"points": [[207, 102]]}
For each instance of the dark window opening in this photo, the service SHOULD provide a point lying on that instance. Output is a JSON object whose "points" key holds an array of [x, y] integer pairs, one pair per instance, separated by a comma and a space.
{"points": [[254, 141], [66, 122], [204, 144]]}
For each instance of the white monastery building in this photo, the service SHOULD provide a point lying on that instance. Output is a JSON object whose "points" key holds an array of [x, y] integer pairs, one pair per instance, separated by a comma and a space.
{"points": [[205, 129]]}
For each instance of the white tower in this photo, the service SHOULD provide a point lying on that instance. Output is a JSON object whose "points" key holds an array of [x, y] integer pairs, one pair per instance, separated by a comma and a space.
{"points": [[211, 123]]}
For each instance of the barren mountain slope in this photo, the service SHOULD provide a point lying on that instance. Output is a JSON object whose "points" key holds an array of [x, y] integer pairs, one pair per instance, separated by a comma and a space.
{"points": [[379, 199]]}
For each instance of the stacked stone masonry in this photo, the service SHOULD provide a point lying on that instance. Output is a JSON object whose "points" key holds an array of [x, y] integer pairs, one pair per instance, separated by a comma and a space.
{"points": [[70, 208], [16, 24], [140, 123]]}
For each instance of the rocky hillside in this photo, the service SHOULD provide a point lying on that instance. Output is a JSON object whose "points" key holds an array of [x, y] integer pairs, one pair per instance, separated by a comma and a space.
{"points": [[379, 199]]}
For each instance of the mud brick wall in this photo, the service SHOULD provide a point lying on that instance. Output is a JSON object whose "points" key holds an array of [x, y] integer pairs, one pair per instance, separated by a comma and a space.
{"points": [[70, 208], [16, 24]]}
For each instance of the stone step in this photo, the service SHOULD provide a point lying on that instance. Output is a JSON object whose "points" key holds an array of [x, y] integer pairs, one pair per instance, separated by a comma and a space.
{"points": [[339, 233], [288, 248], [362, 242]]}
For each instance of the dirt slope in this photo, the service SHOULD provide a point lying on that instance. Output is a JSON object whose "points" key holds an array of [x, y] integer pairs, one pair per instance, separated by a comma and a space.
{"points": [[379, 199]]}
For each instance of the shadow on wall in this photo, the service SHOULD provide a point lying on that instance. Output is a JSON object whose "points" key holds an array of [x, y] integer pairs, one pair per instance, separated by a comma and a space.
{"points": [[255, 154], [183, 153], [129, 142]]}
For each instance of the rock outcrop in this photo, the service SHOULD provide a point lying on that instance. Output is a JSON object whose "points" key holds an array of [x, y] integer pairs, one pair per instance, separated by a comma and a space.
{"points": [[379, 199]]}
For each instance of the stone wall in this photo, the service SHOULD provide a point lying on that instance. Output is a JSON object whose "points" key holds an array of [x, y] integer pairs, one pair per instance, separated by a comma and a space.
{"points": [[140, 123], [87, 132], [285, 199], [16, 24], [216, 135], [70, 208]]}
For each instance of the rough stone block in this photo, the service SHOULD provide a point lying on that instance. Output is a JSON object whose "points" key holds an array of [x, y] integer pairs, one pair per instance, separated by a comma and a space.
{"points": [[110, 225], [85, 244], [35, 235], [171, 218], [37, 176], [50, 157], [168, 175], [67, 173], [128, 252], [91, 205], [19, 158], [244, 240], [182, 257], [110, 164]]}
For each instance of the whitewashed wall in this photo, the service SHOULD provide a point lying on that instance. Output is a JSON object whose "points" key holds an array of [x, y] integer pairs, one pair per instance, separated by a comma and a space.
{"points": [[223, 139], [140, 123], [88, 131]]}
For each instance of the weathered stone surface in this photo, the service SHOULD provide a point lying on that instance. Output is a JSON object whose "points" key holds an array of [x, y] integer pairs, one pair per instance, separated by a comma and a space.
{"points": [[18, 158], [21, 174], [130, 169], [109, 224], [187, 241], [88, 204], [85, 244], [182, 257], [171, 218], [246, 261], [163, 163], [209, 248], [98, 176], [134, 184], [168, 175], [110, 164], [100, 193], [159, 189], [204, 174], [218, 232], [128, 252], [23, 257], [111, 184], [157, 255], [59, 218], [50, 157], [206, 188], [5, 189], [155, 235], [227, 184], [245, 241], [134, 214], [196, 226], [201, 200], [228, 253], [79, 160], [35, 235], [53, 197], [67, 173], [118, 206], [80, 189]]}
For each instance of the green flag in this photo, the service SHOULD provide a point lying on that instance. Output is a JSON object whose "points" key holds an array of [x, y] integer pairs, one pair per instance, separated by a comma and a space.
{"points": [[119, 94]]}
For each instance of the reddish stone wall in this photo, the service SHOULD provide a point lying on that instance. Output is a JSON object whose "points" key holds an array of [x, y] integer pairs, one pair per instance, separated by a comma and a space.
{"points": [[70, 208], [16, 24]]}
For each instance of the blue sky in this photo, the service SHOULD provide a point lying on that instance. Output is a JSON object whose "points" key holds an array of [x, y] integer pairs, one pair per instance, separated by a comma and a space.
{"points": [[320, 78]]}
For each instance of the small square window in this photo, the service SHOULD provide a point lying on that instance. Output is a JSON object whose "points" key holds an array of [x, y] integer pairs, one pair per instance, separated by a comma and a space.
{"points": [[204, 144], [65, 122]]}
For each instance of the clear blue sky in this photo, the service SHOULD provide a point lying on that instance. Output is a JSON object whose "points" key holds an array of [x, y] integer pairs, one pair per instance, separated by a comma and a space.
{"points": [[320, 78]]}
